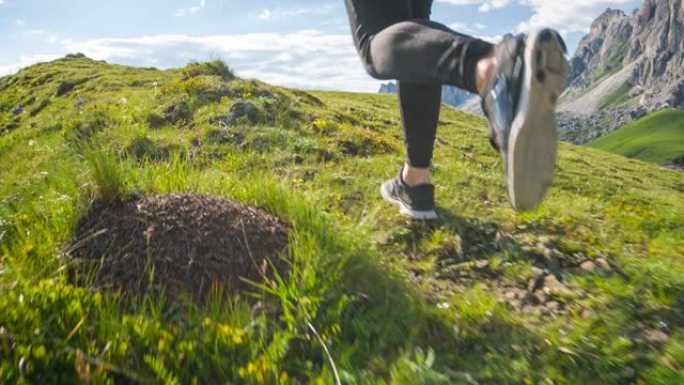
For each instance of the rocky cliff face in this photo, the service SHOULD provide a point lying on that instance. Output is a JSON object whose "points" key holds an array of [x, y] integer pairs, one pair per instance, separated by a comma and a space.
{"points": [[388, 88], [602, 51], [626, 67]]}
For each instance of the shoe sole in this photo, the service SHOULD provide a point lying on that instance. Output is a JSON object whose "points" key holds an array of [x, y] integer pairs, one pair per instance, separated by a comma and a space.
{"points": [[533, 142], [407, 211]]}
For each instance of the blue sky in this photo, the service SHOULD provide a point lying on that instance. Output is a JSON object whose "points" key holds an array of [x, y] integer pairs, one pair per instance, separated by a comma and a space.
{"points": [[298, 43]]}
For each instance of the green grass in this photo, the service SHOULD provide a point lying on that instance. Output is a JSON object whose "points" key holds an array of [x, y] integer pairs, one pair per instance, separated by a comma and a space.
{"points": [[656, 138], [374, 290], [616, 98]]}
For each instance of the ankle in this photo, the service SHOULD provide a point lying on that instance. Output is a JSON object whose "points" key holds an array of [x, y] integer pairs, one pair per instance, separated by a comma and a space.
{"points": [[414, 176]]}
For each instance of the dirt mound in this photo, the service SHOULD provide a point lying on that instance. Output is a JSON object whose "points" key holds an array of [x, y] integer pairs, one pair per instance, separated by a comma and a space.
{"points": [[189, 242]]}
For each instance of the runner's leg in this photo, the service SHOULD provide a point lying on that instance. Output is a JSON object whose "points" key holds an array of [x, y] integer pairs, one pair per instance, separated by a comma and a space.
{"points": [[395, 43], [396, 40]]}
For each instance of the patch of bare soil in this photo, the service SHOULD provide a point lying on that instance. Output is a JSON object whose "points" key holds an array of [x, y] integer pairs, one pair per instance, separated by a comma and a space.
{"points": [[184, 243]]}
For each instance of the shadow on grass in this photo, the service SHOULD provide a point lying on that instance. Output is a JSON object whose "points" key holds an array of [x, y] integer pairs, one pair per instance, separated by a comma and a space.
{"points": [[388, 319], [478, 238]]}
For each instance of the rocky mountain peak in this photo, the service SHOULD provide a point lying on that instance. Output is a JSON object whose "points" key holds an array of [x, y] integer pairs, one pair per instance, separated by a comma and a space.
{"points": [[625, 67], [451, 96], [607, 17]]}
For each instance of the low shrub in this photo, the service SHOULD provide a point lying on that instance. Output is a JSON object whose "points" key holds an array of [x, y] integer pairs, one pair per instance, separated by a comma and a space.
{"points": [[211, 68], [86, 123], [173, 111]]}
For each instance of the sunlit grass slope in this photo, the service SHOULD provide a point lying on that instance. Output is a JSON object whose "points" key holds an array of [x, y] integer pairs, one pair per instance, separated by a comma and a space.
{"points": [[656, 138], [588, 289]]}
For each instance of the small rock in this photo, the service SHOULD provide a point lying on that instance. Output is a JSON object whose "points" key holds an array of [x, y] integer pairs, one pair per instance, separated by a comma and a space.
{"points": [[504, 242], [550, 260], [530, 299], [588, 266], [18, 111], [553, 305], [296, 159], [603, 264], [241, 108], [537, 272], [197, 141], [654, 336], [534, 284], [123, 101], [586, 313], [80, 101], [629, 372], [64, 88], [541, 296], [555, 286], [510, 295], [531, 310], [263, 94], [481, 264]]}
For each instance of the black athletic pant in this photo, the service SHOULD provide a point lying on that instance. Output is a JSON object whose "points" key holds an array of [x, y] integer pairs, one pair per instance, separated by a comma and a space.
{"points": [[396, 40]]}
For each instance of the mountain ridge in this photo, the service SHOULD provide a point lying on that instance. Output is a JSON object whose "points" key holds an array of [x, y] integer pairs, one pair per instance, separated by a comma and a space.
{"points": [[625, 68], [451, 96]]}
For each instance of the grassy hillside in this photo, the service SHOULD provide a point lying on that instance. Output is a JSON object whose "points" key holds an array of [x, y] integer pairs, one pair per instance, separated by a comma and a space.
{"points": [[588, 289], [657, 138]]}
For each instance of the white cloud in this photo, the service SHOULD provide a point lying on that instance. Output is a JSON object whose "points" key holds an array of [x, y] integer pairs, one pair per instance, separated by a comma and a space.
{"points": [[25, 61], [2, 2], [303, 59], [34, 32], [485, 5], [491, 39], [459, 26], [567, 16], [191, 10], [20, 22], [472, 29], [291, 12], [265, 15], [570, 16]]}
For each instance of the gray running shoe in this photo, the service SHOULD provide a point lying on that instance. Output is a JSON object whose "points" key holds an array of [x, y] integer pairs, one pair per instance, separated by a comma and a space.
{"points": [[417, 202], [520, 104]]}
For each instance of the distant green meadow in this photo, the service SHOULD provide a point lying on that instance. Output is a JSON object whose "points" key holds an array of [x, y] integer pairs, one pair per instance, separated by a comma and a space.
{"points": [[656, 138], [587, 289]]}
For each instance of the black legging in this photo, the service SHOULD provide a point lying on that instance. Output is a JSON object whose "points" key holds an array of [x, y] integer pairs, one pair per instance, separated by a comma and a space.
{"points": [[396, 40]]}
